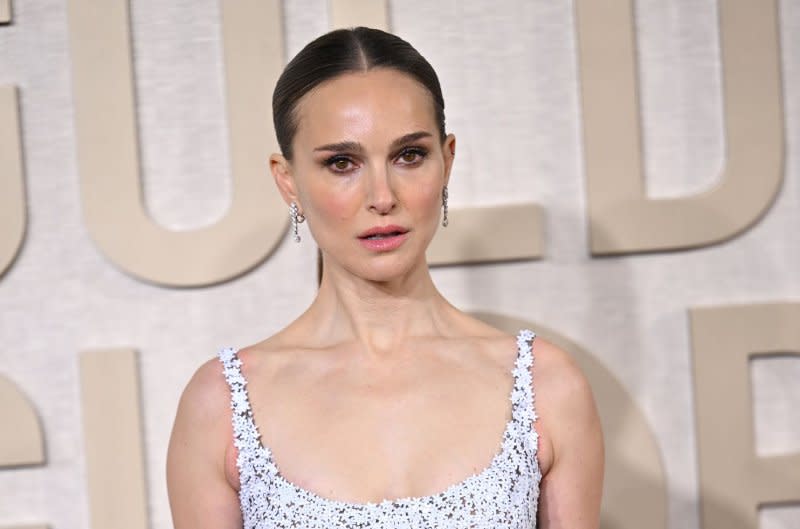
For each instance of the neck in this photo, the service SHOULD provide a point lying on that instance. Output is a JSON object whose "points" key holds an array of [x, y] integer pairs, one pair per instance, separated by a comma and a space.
{"points": [[379, 316]]}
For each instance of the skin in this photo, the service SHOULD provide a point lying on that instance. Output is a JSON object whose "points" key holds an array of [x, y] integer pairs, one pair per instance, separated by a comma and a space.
{"points": [[366, 394]]}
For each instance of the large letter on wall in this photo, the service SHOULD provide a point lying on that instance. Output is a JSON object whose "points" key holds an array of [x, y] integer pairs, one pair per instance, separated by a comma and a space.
{"points": [[733, 480], [352, 13], [105, 128], [21, 441], [635, 488], [622, 218], [12, 195], [5, 11], [112, 431]]}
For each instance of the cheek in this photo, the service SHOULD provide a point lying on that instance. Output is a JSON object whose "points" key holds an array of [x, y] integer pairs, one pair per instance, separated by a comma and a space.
{"points": [[424, 198], [325, 201], [332, 204]]}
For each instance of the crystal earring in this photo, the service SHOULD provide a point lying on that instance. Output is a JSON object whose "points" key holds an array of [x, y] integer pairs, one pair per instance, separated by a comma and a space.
{"points": [[444, 206], [296, 218]]}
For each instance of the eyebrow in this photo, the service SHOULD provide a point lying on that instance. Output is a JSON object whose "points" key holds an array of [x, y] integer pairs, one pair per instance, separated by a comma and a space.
{"points": [[354, 146]]}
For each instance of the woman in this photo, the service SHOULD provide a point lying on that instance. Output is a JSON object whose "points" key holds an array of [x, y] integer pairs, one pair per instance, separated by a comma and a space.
{"points": [[382, 405]]}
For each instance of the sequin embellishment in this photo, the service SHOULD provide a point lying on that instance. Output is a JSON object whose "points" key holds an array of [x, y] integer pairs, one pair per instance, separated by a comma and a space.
{"points": [[504, 495]]}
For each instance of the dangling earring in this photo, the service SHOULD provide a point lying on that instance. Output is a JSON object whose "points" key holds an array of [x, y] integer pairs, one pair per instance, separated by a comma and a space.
{"points": [[297, 218], [444, 206]]}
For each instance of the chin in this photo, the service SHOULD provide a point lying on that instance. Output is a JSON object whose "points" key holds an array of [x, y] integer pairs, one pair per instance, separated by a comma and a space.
{"points": [[383, 273], [379, 266], [387, 267]]}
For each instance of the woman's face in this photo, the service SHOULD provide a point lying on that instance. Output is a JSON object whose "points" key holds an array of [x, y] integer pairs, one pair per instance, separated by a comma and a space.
{"points": [[368, 171]]}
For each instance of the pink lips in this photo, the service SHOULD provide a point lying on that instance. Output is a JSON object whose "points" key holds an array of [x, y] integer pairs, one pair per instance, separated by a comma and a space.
{"points": [[383, 238]]}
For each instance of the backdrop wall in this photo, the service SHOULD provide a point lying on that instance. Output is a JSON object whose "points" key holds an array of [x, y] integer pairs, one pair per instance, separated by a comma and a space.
{"points": [[663, 258]]}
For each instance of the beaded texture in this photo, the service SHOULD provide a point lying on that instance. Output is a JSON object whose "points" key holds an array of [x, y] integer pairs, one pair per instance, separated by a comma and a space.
{"points": [[445, 222], [296, 218], [504, 495]]}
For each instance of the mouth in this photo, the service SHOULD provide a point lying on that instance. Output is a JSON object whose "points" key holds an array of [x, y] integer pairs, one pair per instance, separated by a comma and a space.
{"points": [[383, 238], [378, 236], [384, 232]]}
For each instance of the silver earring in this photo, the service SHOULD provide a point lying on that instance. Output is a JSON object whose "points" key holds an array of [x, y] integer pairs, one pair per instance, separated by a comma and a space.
{"points": [[297, 218], [444, 206]]}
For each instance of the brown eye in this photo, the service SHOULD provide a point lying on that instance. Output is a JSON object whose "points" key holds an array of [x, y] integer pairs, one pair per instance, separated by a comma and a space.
{"points": [[411, 156], [340, 164]]}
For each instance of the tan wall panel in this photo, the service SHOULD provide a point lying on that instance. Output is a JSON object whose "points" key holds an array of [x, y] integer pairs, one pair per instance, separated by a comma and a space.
{"points": [[106, 132], [500, 233], [22, 440], [631, 311], [622, 218], [112, 432], [12, 194], [634, 490], [351, 13], [734, 481], [5, 11]]}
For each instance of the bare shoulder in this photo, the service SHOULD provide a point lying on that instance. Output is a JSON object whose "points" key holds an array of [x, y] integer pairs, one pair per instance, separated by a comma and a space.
{"points": [[568, 418], [571, 440], [557, 377], [204, 406], [206, 396], [200, 494]]}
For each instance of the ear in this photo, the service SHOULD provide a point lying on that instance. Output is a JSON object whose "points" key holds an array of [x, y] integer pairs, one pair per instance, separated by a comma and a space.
{"points": [[449, 151], [281, 170]]}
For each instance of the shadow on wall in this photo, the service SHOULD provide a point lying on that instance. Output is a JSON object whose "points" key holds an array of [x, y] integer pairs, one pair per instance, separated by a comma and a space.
{"points": [[635, 488]]}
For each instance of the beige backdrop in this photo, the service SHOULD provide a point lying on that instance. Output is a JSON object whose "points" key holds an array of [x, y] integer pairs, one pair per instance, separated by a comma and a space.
{"points": [[557, 160]]}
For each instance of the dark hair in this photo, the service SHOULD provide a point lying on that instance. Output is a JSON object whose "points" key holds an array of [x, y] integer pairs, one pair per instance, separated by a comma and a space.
{"points": [[338, 52]]}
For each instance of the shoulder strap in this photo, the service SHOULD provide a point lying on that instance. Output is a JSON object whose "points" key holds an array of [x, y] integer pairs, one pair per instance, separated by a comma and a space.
{"points": [[522, 397], [246, 436]]}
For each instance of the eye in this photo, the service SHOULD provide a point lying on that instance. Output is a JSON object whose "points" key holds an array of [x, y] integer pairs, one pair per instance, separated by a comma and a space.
{"points": [[411, 156], [340, 164]]}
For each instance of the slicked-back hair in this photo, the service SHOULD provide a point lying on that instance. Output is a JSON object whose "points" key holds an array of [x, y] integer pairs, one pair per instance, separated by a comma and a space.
{"points": [[343, 51]]}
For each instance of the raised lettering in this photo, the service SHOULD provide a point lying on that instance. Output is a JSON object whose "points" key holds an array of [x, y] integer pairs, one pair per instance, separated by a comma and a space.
{"points": [[22, 439], [106, 139], [112, 434], [5, 11], [22, 442], [734, 480], [352, 13], [12, 195], [622, 218]]}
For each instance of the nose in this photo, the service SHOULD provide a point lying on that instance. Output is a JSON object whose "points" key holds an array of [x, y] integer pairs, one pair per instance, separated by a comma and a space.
{"points": [[381, 196]]}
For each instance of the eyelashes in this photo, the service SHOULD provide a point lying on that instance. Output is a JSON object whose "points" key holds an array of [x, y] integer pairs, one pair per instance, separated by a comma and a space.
{"points": [[339, 163], [410, 156], [417, 154]]}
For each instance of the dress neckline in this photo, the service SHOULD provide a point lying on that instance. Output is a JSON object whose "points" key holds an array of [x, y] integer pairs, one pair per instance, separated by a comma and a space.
{"points": [[524, 346], [310, 495]]}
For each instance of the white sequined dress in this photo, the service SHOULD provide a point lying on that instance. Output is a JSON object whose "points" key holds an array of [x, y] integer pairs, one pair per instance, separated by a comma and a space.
{"points": [[504, 495]]}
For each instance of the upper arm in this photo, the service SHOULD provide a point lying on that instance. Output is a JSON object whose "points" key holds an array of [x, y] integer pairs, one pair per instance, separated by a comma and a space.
{"points": [[571, 490], [200, 496]]}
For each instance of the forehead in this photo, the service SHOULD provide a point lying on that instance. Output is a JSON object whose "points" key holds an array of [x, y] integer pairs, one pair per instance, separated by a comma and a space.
{"points": [[381, 103]]}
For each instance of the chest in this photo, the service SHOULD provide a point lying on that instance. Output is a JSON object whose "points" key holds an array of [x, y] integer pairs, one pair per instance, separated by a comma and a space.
{"points": [[503, 494], [366, 439]]}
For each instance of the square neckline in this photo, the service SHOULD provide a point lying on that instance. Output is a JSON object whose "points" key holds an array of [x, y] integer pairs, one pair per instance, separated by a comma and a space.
{"points": [[524, 341]]}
